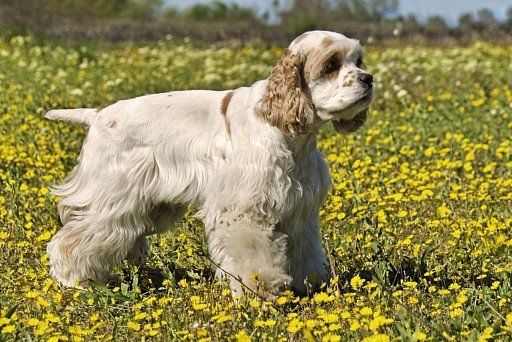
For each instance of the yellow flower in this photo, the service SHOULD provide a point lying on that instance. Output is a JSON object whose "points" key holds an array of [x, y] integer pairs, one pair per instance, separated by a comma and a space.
{"points": [[8, 329], [462, 297], [402, 213], [354, 325], [225, 318], [456, 312], [478, 103], [413, 300], [202, 332], [379, 321], [366, 311], [133, 326], [32, 294], [196, 303], [331, 338], [382, 217], [282, 300], [242, 336], [329, 317], [294, 325], [57, 338], [140, 316], [444, 211], [254, 303], [419, 336], [411, 284], [356, 282], [454, 286], [31, 322], [377, 338], [311, 323], [486, 334], [321, 297], [153, 333], [270, 323]]}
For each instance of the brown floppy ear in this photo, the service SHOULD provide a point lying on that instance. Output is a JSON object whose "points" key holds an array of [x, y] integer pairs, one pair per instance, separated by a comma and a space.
{"points": [[284, 103]]}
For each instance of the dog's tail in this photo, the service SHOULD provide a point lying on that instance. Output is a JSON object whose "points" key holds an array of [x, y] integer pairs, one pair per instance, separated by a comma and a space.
{"points": [[80, 115]]}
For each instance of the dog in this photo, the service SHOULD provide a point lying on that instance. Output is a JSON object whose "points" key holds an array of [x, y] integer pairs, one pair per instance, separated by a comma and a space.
{"points": [[247, 158]]}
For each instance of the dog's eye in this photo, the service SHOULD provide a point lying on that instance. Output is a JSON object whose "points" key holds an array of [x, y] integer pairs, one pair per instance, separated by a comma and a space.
{"points": [[360, 63], [332, 66]]}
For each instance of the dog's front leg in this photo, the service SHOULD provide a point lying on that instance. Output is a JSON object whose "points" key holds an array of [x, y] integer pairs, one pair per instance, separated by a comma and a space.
{"points": [[252, 259], [308, 264]]}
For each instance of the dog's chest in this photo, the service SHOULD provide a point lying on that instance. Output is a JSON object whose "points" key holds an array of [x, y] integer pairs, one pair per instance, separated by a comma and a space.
{"points": [[310, 182]]}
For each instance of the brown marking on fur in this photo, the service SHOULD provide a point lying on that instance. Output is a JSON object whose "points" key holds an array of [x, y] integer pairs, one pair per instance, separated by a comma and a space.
{"points": [[317, 60], [67, 249], [112, 123], [349, 83], [337, 59], [285, 104], [224, 110], [327, 48], [326, 42], [70, 241]]}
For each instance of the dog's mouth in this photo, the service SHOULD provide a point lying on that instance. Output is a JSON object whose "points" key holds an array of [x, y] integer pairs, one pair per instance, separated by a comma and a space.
{"points": [[365, 99], [352, 109], [352, 125], [360, 107]]}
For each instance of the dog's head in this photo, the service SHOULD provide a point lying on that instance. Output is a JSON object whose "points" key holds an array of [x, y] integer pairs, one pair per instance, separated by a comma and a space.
{"points": [[319, 78]]}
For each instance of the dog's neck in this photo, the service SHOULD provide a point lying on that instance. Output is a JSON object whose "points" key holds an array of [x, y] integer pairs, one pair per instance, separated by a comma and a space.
{"points": [[301, 145]]}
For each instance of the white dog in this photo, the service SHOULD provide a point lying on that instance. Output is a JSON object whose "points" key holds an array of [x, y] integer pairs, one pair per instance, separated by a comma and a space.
{"points": [[246, 157]]}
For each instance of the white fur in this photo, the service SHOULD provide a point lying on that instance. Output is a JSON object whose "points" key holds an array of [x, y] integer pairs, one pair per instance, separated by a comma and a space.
{"points": [[144, 160]]}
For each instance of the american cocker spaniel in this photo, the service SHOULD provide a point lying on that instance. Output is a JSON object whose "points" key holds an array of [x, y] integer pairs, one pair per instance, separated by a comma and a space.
{"points": [[246, 157]]}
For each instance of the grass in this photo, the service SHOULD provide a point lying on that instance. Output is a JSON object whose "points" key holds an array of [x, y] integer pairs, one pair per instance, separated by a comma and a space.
{"points": [[417, 226]]}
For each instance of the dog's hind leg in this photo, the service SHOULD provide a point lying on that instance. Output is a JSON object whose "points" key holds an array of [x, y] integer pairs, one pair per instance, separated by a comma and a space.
{"points": [[105, 211], [87, 248], [162, 217]]}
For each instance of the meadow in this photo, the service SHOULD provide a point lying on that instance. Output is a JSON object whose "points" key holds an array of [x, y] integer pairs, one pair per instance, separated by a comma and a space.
{"points": [[418, 225]]}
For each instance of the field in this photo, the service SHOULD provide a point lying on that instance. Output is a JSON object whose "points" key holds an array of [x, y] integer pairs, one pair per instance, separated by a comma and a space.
{"points": [[418, 226]]}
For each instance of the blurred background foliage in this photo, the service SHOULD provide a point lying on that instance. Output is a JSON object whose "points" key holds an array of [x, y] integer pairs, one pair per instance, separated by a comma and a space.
{"points": [[116, 20]]}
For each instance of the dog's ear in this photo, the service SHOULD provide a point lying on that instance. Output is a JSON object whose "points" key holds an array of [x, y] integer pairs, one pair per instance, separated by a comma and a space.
{"points": [[285, 103]]}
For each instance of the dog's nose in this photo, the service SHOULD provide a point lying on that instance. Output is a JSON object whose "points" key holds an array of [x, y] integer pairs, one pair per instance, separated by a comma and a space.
{"points": [[366, 79]]}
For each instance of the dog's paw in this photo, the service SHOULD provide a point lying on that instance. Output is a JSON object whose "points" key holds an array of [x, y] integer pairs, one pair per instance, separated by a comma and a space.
{"points": [[268, 285], [139, 253]]}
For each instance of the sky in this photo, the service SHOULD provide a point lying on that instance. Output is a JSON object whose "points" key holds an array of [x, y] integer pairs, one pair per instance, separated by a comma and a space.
{"points": [[450, 10]]}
